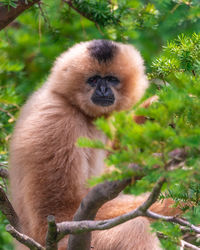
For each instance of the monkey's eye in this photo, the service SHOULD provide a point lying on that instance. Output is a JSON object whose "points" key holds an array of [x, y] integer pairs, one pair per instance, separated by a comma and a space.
{"points": [[112, 79], [92, 81]]}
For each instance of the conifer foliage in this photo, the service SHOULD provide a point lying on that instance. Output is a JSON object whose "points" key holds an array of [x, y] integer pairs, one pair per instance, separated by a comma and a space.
{"points": [[168, 144]]}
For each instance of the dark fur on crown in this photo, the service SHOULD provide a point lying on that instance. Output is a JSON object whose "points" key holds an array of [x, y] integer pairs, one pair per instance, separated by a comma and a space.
{"points": [[102, 50]]}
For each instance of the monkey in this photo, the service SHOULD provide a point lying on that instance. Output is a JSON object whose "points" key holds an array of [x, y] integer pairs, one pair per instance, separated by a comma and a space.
{"points": [[48, 172]]}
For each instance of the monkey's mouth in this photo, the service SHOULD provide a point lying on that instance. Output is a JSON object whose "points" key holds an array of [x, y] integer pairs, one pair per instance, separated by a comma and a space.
{"points": [[103, 101]]}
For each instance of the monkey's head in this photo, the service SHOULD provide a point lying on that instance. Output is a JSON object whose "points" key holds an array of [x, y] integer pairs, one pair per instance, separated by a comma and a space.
{"points": [[99, 77]]}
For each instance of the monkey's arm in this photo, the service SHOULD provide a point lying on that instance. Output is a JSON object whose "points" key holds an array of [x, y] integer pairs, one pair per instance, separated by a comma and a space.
{"points": [[45, 173]]}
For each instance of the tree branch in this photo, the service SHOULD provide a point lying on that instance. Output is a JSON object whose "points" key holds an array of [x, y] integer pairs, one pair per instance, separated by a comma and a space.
{"points": [[89, 206], [77, 227], [173, 219], [70, 3], [24, 239], [87, 210], [7, 209], [153, 195], [51, 238], [8, 13], [188, 245]]}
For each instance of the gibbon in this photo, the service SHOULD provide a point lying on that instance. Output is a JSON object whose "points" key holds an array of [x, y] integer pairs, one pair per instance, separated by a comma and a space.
{"points": [[48, 172]]}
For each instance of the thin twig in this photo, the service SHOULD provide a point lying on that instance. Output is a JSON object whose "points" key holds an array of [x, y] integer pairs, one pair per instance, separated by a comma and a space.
{"points": [[99, 29], [174, 8], [173, 219], [7, 209], [188, 245], [69, 2], [45, 17], [87, 16], [183, 243], [153, 195], [24, 239], [8, 113]]}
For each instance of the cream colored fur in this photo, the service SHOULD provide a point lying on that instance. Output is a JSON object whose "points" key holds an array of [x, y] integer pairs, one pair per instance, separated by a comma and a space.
{"points": [[48, 172]]}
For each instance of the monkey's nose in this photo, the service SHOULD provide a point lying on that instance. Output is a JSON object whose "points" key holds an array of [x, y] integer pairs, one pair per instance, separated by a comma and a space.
{"points": [[99, 93], [103, 89]]}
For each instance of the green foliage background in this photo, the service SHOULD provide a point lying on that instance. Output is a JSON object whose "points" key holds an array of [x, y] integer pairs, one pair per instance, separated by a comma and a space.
{"points": [[167, 34]]}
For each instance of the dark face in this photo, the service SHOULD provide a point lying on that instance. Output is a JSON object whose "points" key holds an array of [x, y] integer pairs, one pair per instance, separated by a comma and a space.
{"points": [[103, 94]]}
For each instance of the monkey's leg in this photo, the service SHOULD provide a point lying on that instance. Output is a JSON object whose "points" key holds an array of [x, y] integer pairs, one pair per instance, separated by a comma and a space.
{"points": [[126, 203], [132, 235]]}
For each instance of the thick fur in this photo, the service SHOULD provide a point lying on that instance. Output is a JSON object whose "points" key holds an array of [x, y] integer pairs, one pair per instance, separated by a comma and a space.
{"points": [[47, 171]]}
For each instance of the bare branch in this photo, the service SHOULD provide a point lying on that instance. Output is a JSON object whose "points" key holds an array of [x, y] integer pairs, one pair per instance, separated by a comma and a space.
{"points": [[7, 113], [188, 245], [24, 239], [8, 14], [7, 209], [173, 219], [89, 206], [77, 227], [153, 196], [182, 244], [51, 238], [88, 209], [87, 226]]}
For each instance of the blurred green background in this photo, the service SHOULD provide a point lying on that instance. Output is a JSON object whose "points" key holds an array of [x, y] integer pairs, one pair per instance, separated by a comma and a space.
{"points": [[29, 46]]}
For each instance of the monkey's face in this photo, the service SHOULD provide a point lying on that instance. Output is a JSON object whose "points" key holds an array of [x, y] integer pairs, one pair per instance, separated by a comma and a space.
{"points": [[103, 94], [98, 94], [100, 77]]}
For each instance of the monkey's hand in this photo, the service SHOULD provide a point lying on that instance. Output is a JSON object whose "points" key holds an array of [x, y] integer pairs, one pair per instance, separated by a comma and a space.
{"points": [[140, 119]]}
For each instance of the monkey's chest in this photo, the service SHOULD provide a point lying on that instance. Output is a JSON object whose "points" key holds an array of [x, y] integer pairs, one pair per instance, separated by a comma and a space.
{"points": [[93, 162]]}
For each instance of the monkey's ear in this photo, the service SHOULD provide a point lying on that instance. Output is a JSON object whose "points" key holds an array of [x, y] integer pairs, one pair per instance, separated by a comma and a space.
{"points": [[140, 119]]}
